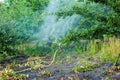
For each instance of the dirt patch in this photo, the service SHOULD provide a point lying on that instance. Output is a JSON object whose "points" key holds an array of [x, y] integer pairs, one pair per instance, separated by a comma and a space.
{"points": [[61, 69]]}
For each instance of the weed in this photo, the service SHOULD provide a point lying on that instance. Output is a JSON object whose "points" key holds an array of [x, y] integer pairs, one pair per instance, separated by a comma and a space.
{"points": [[37, 67], [76, 68], [34, 79], [106, 78], [112, 70], [9, 74], [116, 68], [85, 66], [81, 68], [110, 50], [107, 49], [45, 74], [109, 72], [13, 64]]}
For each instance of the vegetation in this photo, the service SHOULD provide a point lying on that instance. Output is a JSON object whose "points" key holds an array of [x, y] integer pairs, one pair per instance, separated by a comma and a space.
{"points": [[45, 74], [99, 25], [92, 44], [18, 21], [99, 19], [9, 74]]}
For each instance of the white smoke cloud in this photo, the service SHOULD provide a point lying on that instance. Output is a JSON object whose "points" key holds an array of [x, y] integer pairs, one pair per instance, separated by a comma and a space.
{"points": [[57, 28]]}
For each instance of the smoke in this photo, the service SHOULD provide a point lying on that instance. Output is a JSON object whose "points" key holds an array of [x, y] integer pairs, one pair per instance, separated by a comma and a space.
{"points": [[53, 28]]}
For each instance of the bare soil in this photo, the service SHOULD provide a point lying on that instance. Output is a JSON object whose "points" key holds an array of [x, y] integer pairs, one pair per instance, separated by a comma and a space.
{"points": [[61, 69]]}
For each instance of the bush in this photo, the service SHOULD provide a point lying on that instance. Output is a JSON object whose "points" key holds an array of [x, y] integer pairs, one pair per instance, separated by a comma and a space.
{"points": [[37, 50], [18, 22]]}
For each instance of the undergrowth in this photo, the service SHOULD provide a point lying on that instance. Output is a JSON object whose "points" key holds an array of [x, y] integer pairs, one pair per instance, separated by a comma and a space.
{"points": [[97, 52], [106, 50], [9, 74]]}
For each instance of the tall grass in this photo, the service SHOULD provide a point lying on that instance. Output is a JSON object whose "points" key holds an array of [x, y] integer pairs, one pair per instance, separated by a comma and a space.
{"points": [[107, 49], [110, 50]]}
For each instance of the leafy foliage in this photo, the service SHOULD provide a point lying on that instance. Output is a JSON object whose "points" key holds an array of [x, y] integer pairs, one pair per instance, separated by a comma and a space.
{"points": [[37, 50], [18, 21], [100, 18]]}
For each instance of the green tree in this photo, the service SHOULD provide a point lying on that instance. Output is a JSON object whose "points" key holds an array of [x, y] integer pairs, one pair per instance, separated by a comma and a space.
{"points": [[99, 18], [19, 20]]}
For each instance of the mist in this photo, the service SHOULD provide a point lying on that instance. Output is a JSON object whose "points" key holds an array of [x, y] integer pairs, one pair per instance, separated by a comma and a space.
{"points": [[51, 28]]}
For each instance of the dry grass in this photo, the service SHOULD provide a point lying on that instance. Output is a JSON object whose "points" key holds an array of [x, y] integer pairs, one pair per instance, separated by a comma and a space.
{"points": [[108, 49]]}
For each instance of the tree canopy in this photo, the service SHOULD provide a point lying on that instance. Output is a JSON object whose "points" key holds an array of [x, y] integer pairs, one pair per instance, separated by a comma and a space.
{"points": [[18, 21], [100, 18]]}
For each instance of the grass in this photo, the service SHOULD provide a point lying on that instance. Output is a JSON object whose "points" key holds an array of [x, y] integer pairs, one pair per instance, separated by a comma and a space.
{"points": [[102, 50], [106, 78], [97, 52], [108, 50], [111, 70], [45, 74], [105, 51], [84, 66]]}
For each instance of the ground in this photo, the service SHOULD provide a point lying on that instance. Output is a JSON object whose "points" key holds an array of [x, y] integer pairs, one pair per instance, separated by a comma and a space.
{"points": [[65, 67]]}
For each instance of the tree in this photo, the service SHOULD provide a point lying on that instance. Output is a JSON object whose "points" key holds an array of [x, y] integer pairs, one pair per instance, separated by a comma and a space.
{"points": [[19, 20], [100, 18]]}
